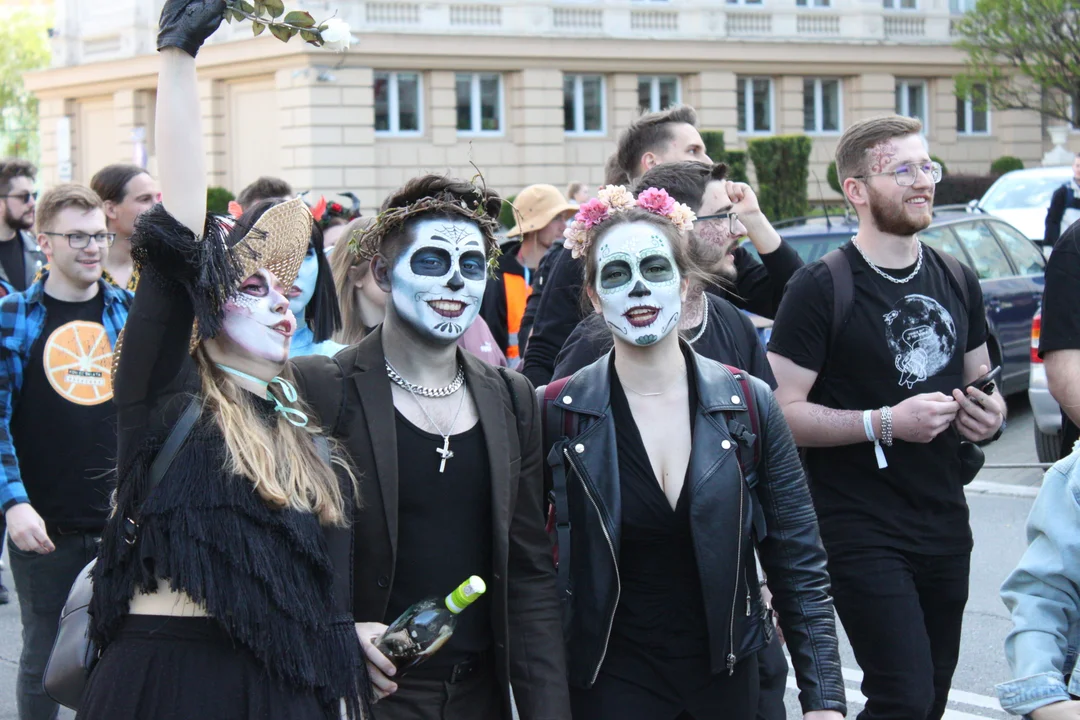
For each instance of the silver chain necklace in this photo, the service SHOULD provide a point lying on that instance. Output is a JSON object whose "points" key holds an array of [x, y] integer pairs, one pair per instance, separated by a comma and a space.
{"points": [[657, 394], [427, 392], [444, 452], [704, 320], [887, 276]]}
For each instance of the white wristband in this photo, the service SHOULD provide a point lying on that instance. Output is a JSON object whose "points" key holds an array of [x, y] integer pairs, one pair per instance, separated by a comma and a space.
{"points": [[868, 425], [868, 428]]}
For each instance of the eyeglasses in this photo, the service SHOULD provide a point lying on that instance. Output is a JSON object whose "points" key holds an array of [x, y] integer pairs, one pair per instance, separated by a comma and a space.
{"points": [[731, 217], [79, 241], [23, 197], [905, 174]]}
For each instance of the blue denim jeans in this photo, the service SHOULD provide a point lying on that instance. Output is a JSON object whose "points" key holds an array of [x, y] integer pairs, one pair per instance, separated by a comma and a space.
{"points": [[42, 583]]}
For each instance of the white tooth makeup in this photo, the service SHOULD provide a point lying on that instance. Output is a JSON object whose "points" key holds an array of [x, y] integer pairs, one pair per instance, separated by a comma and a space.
{"points": [[638, 283], [438, 281], [252, 323]]}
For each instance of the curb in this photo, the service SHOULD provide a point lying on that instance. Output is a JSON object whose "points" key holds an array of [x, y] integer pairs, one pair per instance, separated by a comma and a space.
{"points": [[985, 487]]}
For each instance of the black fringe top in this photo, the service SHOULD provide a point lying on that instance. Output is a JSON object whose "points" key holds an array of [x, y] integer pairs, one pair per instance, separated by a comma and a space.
{"points": [[263, 573]]}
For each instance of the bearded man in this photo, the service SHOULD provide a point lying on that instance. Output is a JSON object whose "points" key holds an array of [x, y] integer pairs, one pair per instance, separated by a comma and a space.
{"points": [[878, 395], [20, 256], [448, 452]]}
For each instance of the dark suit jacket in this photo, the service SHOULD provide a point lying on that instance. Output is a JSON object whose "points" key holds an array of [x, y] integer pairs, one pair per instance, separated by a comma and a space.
{"points": [[350, 395]]}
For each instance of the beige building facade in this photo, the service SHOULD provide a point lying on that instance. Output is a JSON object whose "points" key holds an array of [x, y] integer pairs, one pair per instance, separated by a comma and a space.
{"points": [[524, 91]]}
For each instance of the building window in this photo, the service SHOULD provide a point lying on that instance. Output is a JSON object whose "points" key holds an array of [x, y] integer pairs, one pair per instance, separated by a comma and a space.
{"points": [[657, 92], [584, 109], [479, 103], [755, 103], [959, 7], [901, 4], [744, 2], [821, 105], [813, 3], [911, 100], [397, 103], [973, 112]]}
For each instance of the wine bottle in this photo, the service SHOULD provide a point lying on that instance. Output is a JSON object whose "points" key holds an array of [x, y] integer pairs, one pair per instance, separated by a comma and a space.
{"points": [[427, 626]]}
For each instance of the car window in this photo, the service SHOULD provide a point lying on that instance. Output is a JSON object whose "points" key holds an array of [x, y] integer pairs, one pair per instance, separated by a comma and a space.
{"points": [[809, 247], [989, 258], [942, 240], [1028, 259], [1022, 191]]}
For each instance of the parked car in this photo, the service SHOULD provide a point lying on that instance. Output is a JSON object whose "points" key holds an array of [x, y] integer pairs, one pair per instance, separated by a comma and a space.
{"points": [[1009, 266], [1022, 197], [1044, 407]]}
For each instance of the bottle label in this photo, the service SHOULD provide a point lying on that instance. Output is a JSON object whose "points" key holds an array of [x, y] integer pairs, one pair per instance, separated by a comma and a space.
{"points": [[465, 595]]}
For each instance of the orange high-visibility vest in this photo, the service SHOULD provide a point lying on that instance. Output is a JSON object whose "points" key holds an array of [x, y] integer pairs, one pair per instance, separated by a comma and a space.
{"points": [[517, 293]]}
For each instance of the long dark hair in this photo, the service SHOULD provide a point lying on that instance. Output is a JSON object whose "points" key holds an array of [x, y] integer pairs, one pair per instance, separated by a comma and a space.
{"points": [[323, 314]]}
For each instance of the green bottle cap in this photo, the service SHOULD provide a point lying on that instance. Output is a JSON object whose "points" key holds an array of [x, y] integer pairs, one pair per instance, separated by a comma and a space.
{"points": [[465, 595]]}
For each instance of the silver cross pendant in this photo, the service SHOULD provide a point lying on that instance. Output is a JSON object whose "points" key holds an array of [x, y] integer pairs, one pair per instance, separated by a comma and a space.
{"points": [[445, 452]]}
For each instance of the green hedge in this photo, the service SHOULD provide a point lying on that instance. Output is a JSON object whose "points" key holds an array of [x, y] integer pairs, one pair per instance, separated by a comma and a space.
{"points": [[833, 178], [782, 164], [1006, 163], [217, 200], [714, 144], [506, 214], [736, 161]]}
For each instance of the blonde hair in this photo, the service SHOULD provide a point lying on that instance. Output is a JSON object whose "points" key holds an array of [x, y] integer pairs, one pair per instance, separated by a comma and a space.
{"points": [[347, 267], [279, 459]]}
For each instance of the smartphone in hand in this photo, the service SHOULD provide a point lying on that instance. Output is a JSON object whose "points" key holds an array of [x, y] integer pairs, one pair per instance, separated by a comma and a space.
{"points": [[987, 383]]}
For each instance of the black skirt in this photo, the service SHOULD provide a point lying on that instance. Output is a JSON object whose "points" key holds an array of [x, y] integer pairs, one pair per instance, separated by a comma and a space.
{"points": [[182, 668]]}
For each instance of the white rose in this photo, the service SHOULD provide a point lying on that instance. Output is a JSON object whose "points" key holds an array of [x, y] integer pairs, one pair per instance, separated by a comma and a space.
{"points": [[336, 35]]}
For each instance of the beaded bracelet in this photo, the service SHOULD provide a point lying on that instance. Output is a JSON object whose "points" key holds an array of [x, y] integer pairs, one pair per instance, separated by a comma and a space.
{"points": [[886, 426]]}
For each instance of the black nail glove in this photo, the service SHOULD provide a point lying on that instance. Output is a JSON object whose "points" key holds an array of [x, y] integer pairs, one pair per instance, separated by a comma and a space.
{"points": [[186, 24]]}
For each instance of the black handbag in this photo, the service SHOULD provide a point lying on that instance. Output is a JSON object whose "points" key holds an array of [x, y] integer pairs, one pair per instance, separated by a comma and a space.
{"points": [[73, 654]]}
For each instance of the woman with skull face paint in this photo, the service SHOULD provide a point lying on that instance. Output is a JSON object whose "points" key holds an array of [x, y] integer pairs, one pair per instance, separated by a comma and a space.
{"points": [[222, 585], [314, 303], [450, 450], [663, 618]]}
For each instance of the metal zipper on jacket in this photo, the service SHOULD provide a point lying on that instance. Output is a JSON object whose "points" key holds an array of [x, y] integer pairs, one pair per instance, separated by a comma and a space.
{"points": [[738, 563], [614, 561]]}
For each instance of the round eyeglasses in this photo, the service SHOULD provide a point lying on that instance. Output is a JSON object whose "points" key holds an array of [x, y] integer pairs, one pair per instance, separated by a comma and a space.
{"points": [[905, 175], [731, 217]]}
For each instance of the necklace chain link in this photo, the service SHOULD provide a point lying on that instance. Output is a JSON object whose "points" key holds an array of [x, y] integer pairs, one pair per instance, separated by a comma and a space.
{"points": [[887, 276], [427, 392]]}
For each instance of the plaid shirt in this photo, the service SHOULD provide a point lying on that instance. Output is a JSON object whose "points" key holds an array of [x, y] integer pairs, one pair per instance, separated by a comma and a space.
{"points": [[22, 320]]}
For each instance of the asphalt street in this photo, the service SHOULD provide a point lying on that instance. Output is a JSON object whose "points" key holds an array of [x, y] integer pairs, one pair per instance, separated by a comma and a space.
{"points": [[999, 500]]}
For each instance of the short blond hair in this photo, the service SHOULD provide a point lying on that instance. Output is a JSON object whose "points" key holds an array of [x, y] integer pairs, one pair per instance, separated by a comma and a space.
{"points": [[62, 197], [851, 152]]}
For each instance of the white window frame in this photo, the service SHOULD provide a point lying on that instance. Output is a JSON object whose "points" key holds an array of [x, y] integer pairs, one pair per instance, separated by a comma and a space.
{"points": [[814, 4], [747, 3], [579, 106], [969, 112], [476, 108], [394, 107], [654, 89], [906, 84], [898, 5], [748, 101], [819, 108]]}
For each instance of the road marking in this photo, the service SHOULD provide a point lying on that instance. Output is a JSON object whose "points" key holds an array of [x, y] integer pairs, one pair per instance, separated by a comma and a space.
{"points": [[985, 487]]}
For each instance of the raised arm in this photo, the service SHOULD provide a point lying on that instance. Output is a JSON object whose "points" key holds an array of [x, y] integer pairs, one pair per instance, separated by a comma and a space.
{"points": [[185, 26]]}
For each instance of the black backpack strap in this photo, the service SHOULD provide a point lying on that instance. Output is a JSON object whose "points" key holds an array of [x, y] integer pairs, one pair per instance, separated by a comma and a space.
{"points": [[558, 424], [958, 279], [745, 427], [164, 459], [843, 292]]}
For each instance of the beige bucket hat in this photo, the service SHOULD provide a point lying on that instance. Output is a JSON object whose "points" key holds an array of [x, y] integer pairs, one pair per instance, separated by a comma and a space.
{"points": [[536, 206]]}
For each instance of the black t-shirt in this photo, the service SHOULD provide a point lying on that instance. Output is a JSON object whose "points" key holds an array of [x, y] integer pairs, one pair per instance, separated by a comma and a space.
{"points": [[64, 426], [1061, 311], [444, 532], [14, 262], [901, 340]]}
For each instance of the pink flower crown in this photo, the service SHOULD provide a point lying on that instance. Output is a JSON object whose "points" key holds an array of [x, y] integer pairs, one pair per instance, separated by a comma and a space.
{"points": [[613, 199]]}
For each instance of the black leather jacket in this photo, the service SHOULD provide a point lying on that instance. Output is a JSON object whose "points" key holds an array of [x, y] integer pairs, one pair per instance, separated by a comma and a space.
{"points": [[728, 515]]}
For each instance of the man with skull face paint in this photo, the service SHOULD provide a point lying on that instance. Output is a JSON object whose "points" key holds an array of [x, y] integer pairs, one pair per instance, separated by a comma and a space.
{"points": [[449, 448], [662, 521]]}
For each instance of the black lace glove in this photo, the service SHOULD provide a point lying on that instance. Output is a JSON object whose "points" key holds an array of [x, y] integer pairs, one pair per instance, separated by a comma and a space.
{"points": [[186, 24]]}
